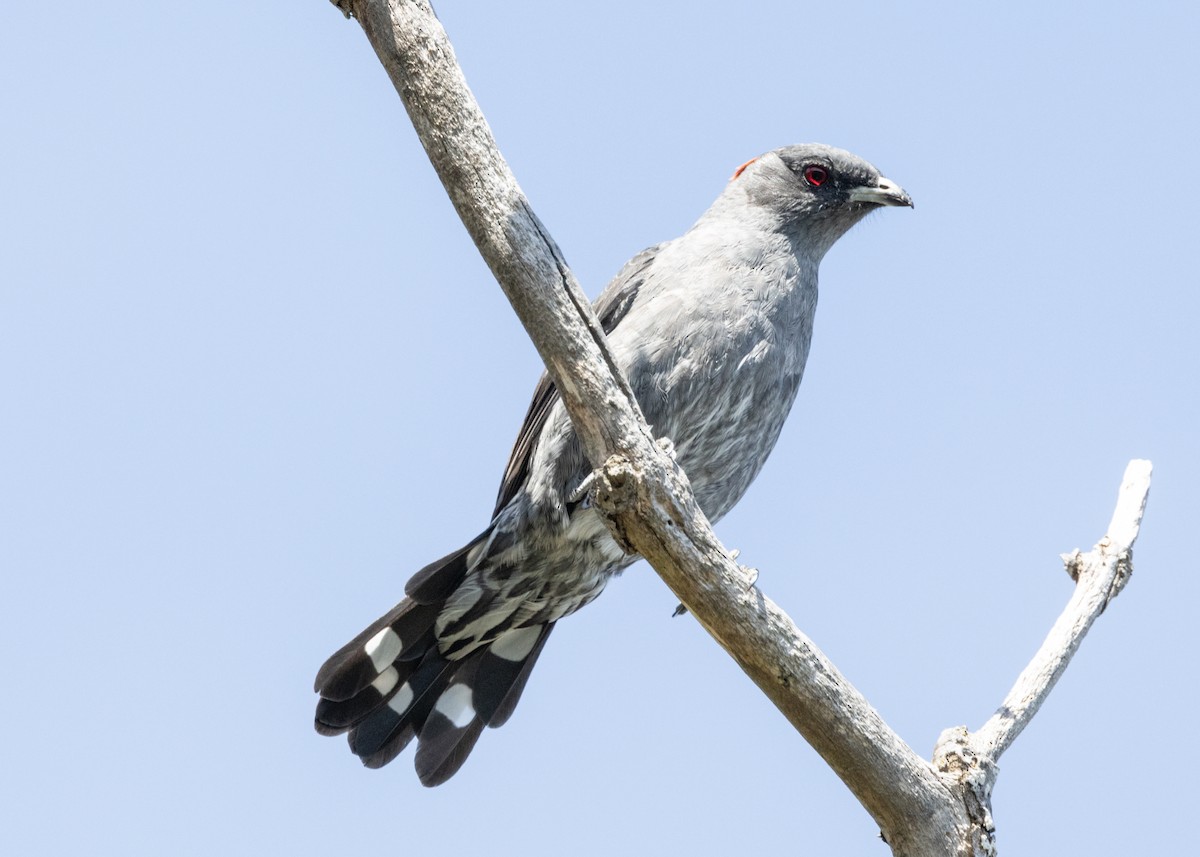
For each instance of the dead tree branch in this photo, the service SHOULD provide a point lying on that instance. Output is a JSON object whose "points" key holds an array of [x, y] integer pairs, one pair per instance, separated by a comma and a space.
{"points": [[921, 809]]}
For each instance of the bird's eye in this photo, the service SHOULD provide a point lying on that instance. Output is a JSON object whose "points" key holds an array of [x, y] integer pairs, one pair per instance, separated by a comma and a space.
{"points": [[816, 176]]}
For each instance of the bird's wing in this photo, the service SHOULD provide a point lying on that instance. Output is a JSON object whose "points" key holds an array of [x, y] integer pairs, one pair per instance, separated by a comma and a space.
{"points": [[612, 305]]}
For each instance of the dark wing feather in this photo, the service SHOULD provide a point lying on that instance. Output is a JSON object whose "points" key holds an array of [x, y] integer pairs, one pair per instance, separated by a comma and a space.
{"points": [[612, 305], [545, 394], [437, 581]]}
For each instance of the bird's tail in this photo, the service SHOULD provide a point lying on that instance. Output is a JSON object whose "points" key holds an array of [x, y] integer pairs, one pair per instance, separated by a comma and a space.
{"points": [[391, 683]]}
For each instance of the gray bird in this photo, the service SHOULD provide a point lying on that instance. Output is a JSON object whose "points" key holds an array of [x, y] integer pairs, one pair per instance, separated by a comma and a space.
{"points": [[712, 330]]}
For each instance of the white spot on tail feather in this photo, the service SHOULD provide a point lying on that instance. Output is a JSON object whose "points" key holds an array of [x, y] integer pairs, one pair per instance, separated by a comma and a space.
{"points": [[514, 645], [402, 700], [455, 704], [383, 648], [385, 681]]}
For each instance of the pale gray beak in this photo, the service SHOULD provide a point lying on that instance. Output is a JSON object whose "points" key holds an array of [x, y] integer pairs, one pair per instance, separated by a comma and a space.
{"points": [[885, 193]]}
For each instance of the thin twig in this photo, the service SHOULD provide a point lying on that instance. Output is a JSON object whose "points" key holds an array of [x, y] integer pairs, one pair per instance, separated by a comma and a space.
{"points": [[1101, 573]]}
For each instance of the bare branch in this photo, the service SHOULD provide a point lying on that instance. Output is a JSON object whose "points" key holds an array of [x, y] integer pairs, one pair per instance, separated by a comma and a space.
{"points": [[889, 779], [1101, 574], [413, 48]]}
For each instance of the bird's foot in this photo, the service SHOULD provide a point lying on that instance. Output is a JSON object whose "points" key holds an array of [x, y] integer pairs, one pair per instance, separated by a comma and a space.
{"points": [[585, 487]]}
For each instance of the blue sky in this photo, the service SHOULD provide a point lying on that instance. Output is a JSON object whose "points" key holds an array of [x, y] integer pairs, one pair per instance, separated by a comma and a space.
{"points": [[254, 375]]}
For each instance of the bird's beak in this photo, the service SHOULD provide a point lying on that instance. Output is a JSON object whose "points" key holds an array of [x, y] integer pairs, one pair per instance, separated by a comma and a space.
{"points": [[884, 193]]}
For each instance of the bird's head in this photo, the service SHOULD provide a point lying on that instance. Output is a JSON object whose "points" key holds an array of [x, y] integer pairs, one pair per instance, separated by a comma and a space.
{"points": [[813, 191]]}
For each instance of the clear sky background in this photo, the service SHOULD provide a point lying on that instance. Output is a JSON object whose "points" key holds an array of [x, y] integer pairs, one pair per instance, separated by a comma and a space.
{"points": [[253, 374]]}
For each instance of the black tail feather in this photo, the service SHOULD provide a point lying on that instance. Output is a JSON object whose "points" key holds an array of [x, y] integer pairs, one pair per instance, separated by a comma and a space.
{"points": [[440, 756], [386, 730], [336, 716], [501, 680], [352, 668], [437, 581], [392, 683], [450, 729]]}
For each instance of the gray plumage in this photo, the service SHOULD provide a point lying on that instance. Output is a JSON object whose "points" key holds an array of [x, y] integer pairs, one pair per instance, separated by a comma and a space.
{"points": [[712, 330]]}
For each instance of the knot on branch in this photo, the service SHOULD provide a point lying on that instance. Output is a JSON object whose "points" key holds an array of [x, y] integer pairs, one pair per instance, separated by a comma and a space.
{"points": [[970, 775], [1073, 563], [645, 484], [615, 491], [1105, 556]]}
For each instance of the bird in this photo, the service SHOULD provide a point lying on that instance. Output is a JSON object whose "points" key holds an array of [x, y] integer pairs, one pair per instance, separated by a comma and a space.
{"points": [[712, 331]]}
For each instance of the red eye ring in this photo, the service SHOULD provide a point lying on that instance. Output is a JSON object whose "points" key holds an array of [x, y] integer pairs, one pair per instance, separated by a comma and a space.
{"points": [[815, 175]]}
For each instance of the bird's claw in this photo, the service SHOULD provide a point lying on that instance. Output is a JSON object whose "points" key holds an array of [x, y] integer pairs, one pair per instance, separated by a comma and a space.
{"points": [[588, 483]]}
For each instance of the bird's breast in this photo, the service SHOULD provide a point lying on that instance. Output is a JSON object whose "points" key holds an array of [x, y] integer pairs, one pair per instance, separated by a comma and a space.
{"points": [[720, 377]]}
